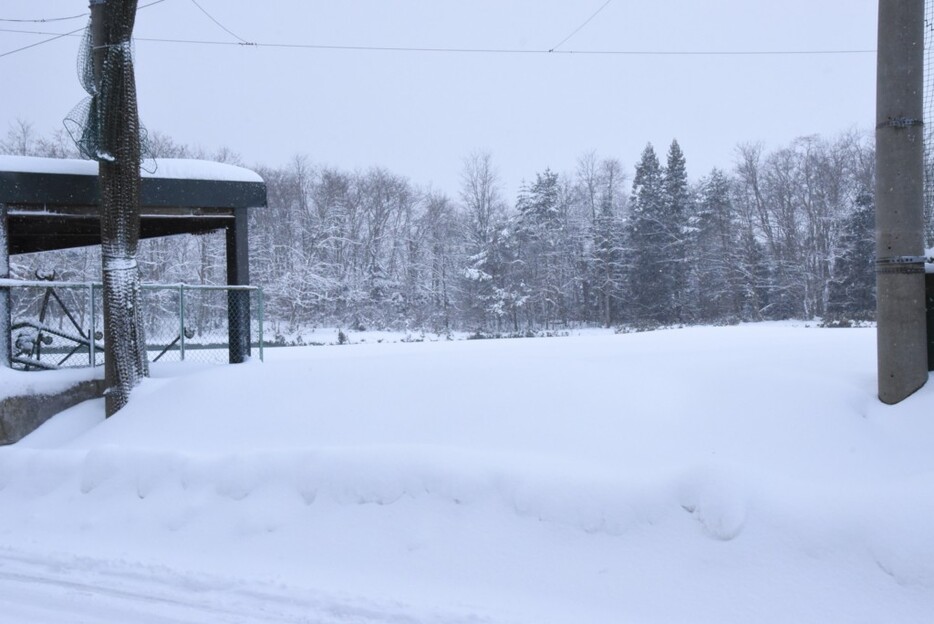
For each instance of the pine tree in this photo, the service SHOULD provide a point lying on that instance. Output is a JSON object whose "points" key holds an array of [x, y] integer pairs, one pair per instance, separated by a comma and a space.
{"points": [[675, 221], [649, 270], [852, 292], [540, 231], [715, 281]]}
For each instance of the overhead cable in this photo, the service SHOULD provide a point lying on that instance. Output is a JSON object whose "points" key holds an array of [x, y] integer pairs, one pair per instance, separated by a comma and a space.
{"points": [[55, 36], [579, 28], [441, 50], [222, 27], [43, 20], [39, 43]]}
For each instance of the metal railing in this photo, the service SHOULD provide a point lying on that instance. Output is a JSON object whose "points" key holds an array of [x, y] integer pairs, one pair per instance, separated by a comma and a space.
{"points": [[56, 324]]}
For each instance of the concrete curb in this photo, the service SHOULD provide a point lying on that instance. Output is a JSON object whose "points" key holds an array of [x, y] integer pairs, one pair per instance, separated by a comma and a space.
{"points": [[21, 415]]}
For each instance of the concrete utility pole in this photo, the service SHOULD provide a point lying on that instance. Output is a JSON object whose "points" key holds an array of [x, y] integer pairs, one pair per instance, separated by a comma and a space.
{"points": [[900, 308]]}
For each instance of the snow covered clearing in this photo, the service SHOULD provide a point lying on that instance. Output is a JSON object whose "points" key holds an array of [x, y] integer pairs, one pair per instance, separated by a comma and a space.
{"points": [[738, 474]]}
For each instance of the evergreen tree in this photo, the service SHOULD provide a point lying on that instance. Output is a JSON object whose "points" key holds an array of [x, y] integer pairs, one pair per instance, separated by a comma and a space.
{"points": [[756, 277], [852, 292], [649, 272], [714, 284], [507, 294], [539, 232], [675, 221]]}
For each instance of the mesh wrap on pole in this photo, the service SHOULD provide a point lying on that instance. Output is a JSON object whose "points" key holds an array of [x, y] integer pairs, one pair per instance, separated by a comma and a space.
{"points": [[116, 119], [85, 123]]}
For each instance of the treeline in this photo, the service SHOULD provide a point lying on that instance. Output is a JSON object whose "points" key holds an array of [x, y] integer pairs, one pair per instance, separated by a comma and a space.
{"points": [[784, 234], [781, 234]]}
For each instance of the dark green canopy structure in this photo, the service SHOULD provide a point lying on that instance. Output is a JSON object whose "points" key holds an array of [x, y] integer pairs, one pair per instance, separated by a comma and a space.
{"points": [[53, 204], [48, 204]]}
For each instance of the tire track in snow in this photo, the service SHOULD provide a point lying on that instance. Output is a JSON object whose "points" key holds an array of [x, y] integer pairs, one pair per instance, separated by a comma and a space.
{"points": [[84, 591]]}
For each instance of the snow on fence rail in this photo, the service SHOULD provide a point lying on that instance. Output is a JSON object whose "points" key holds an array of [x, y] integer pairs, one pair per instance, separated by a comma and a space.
{"points": [[59, 324]]}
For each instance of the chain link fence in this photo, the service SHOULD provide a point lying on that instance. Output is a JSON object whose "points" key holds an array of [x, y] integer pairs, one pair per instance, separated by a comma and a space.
{"points": [[60, 324]]}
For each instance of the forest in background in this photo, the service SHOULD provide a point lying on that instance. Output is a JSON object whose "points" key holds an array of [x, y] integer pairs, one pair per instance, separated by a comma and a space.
{"points": [[783, 233]]}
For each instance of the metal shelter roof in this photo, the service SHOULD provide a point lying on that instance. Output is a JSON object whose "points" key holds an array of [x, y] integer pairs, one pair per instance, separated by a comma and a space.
{"points": [[53, 203]]}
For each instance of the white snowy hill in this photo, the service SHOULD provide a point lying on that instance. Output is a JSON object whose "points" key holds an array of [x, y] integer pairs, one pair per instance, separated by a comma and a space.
{"points": [[738, 474]]}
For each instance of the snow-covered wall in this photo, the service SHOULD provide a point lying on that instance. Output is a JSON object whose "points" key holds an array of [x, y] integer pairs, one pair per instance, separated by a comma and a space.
{"points": [[27, 400]]}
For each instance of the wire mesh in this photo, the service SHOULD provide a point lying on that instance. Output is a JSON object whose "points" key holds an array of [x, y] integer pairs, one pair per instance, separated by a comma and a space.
{"points": [[86, 123], [59, 325]]}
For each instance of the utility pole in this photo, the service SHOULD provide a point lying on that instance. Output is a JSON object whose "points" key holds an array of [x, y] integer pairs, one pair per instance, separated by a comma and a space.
{"points": [[116, 116], [900, 307]]}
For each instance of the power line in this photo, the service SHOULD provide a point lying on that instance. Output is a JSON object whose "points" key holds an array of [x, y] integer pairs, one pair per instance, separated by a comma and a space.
{"points": [[579, 28], [714, 52], [55, 36], [39, 43], [364, 48], [224, 28], [439, 50], [42, 20], [146, 6]]}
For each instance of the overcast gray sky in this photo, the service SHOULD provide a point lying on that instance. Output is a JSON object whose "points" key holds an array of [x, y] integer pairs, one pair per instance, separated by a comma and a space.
{"points": [[420, 113]]}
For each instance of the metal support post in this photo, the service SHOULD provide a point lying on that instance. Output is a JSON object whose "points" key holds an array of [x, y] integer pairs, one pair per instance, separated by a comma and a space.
{"points": [[181, 322], [902, 333], [238, 301], [92, 340], [6, 353], [262, 320]]}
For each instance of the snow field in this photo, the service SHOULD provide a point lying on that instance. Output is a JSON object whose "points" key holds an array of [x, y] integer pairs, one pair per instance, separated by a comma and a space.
{"points": [[704, 475]]}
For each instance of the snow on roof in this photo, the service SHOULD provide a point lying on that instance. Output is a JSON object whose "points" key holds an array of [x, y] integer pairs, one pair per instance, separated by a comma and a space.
{"points": [[64, 166], [189, 169], [165, 168]]}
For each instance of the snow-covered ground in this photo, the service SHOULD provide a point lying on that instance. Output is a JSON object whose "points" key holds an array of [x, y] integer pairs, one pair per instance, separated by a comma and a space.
{"points": [[738, 474]]}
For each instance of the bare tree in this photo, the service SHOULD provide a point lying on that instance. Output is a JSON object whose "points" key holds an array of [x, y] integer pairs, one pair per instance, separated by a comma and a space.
{"points": [[20, 139], [483, 207]]}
